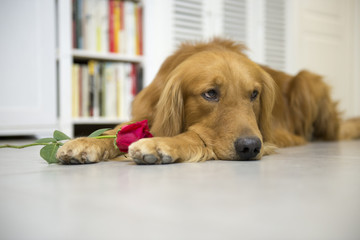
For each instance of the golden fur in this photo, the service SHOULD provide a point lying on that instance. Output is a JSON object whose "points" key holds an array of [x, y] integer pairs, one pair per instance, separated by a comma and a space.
{"points": [[190, 126]]}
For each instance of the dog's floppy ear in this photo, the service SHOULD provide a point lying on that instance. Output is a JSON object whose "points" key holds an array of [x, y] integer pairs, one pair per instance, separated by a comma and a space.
{"points": [[169, 111], [267, 101]]}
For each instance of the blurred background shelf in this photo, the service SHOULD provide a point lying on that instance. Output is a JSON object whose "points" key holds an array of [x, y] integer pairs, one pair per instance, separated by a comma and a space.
{"points": [[86, 54], [98, 120]]}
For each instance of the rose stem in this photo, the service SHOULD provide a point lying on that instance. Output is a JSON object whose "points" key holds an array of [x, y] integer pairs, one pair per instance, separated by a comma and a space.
{"points": [[23, 146]]}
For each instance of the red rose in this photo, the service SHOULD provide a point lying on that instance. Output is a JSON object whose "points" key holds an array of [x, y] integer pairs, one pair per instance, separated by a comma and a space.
{"points": [[131, 133]]}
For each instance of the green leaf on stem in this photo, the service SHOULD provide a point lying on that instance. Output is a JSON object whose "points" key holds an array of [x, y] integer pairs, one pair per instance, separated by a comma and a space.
{"points": [[48, 153], [99, 132], [60, 136], [46, 140]]}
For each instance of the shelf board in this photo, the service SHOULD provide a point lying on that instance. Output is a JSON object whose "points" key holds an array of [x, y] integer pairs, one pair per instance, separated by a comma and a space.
{"points": [[85, 54], [98, 120]]}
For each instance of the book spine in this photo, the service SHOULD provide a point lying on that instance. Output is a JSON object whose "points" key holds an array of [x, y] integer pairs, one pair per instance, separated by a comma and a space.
{"points": [[133, 80], [79, 91], [118, 90], [122, 89], [103, 25], [101, 90], [98, 13], [127, 91], [110, 90], [139, 78], [79, 25], [74, 17], [75, 90], [116, 25], [111, 26], [122, 45], [84, 23], [130, 27], [97, 89], [91, 88], [85, 91], [139, 30]]}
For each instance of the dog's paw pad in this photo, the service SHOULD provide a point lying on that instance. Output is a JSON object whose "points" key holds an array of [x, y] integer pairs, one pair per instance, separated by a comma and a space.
{"points": [[80, 151], [74, 161], [152, 151], [144, 159], [167, 159], [150, 159]]}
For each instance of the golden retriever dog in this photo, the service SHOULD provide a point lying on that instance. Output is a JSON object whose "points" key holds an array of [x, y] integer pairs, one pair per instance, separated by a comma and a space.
{"points": [[210, 101]]}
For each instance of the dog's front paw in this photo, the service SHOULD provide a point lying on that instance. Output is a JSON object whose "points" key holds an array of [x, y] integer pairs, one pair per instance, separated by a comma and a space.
{"points": [[152, 151], [80, 151]]}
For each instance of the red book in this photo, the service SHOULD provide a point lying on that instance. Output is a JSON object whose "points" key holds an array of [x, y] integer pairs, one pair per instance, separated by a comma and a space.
{"points": [[111, 26]]}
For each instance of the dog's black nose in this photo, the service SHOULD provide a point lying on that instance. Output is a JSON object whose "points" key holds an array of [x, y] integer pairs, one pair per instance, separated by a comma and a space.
{"points": [[247, 147]]}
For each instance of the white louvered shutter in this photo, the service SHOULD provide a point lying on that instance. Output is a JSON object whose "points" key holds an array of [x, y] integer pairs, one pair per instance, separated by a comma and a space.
{"points": [[239, 20], [188, 21], [275, 34], [234, 19]]}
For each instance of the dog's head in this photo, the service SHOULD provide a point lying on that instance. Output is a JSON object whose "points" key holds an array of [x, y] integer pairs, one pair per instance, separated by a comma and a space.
{"points": [[222, 96]]}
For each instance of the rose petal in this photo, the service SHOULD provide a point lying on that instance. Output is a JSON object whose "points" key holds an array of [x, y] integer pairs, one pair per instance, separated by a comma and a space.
{"points": [[132, 133]]}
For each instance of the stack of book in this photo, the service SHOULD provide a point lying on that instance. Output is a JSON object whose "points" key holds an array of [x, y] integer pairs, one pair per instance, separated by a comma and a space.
{"points": [[104, 89], [107, 26]]}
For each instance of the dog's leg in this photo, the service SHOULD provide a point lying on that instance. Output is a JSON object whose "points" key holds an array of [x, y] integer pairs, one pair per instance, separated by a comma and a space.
{"points": [[185, 147], [87, 150], [350, 129], [284, 138], [314, 114]]}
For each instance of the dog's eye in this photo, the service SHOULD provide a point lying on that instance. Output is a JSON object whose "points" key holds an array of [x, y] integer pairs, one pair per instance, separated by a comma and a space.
{"points": [[211, 95], [254, 95]]}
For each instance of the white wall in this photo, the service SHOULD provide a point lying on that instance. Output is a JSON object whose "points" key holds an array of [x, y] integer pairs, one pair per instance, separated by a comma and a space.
{"points": [[157, 36]]}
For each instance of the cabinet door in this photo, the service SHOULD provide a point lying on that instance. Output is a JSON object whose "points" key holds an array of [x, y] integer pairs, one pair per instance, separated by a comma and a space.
{"points": [[325, 42], [27, 67]]}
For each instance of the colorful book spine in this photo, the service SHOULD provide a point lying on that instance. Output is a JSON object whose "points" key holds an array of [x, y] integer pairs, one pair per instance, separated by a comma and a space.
{"points": [[139, 30], [108, 26], [104, 89], [111, 25], [116, 25]]}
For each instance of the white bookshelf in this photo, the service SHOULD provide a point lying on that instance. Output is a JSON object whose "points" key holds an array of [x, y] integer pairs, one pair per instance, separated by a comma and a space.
{"points": [[84, 54], [65, 58]]}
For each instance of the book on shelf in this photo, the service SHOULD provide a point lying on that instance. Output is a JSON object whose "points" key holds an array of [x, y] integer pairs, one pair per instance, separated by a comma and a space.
{"points": [[104, 89], [113, 26]]}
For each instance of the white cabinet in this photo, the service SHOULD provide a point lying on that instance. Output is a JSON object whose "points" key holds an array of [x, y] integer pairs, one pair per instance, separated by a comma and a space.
{"points": [[325, 39], [27, 67]]}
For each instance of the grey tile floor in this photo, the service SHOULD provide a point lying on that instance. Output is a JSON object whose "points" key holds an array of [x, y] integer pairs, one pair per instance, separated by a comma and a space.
{"points": [[308, 192]]}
